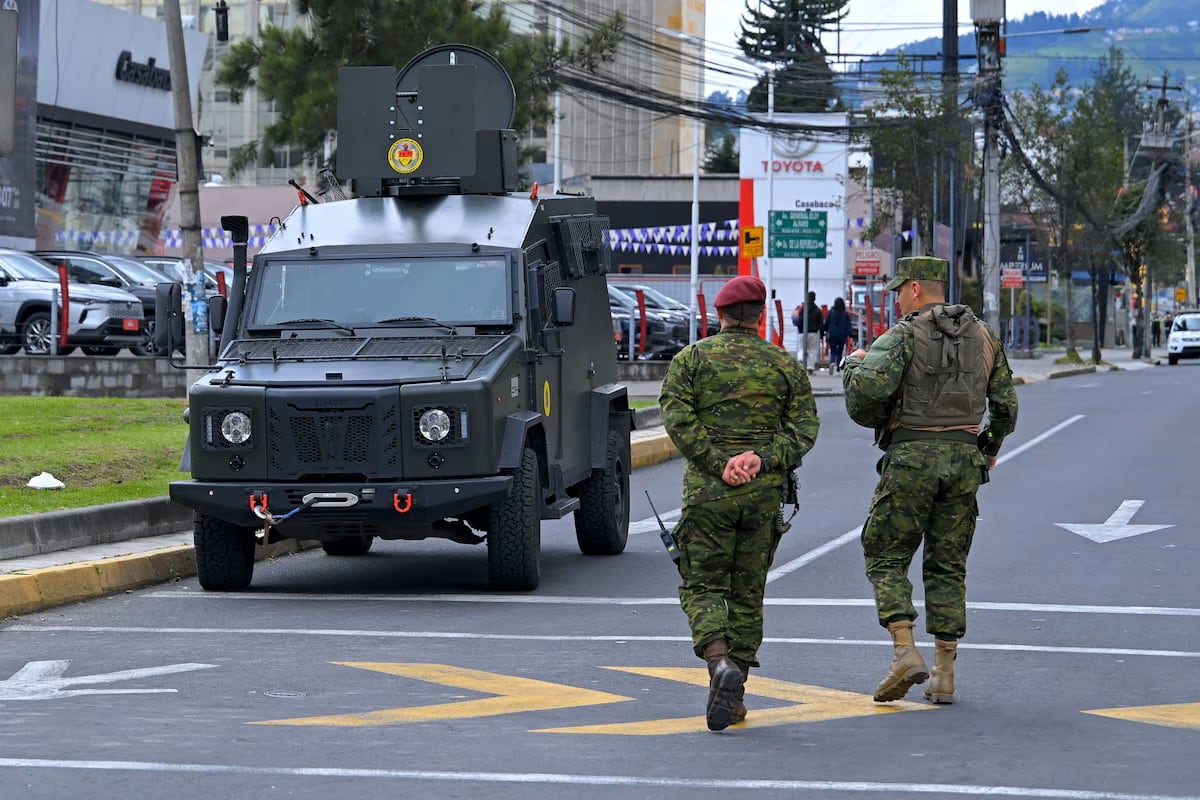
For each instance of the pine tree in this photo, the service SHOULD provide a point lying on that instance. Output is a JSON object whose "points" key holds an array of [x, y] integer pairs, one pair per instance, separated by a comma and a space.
{"points": [[723, 157], [785, 35]]}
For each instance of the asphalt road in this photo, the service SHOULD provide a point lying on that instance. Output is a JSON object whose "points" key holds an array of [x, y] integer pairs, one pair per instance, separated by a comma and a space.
{"points": [[399, 673]]}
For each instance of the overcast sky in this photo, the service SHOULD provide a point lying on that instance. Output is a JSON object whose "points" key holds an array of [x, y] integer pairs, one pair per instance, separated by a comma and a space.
{"points": [[871, 26]]}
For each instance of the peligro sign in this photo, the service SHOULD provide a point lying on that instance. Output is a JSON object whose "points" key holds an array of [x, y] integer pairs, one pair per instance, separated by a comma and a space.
{"points": [[147, 74]]}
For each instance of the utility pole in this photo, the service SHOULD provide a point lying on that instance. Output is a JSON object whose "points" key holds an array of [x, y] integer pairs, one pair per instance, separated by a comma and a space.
{"points": [[950, 91], [195, 310], [988, 16], [1191, 301], [557, 146], [1157, 143]]}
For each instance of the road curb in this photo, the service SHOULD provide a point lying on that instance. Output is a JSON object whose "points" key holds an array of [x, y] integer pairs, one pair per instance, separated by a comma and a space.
{"points": [[38, 589], [27, 591], [1067, 373]]}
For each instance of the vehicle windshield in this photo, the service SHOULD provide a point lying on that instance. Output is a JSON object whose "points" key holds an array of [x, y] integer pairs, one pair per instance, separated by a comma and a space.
{"points": [[23, 267], [364, 292], [138, 272], [1188, 323]]}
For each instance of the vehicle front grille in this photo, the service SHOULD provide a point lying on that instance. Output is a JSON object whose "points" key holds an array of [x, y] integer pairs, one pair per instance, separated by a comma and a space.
{"points": [[357, 347], [334, 432], [125, 310]]}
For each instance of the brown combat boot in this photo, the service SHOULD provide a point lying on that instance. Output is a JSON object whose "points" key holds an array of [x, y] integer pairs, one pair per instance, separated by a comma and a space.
{"points": [[724, 680], [739, 708], [907, 666], [941, 681]]}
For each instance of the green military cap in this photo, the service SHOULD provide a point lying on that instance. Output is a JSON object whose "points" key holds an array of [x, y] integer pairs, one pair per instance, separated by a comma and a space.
{"points": [[919, 268]]}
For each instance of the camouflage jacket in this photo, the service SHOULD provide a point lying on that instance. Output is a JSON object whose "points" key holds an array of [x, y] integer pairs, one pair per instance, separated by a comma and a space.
{"points": [[730, 393], [873, 385]]}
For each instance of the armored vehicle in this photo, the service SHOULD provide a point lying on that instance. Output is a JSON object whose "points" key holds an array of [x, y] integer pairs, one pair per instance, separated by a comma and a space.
{"points": [[432, 358]]}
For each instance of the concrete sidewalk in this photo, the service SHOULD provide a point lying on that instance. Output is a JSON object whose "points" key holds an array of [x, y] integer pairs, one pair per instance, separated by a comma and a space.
{"points": [[57, 567]]}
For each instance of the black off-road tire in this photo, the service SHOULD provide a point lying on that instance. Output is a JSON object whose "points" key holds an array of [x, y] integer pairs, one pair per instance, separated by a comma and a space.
{"points": [[348, 546], [602, 519], [1172, 360], [514, 538], [224, 554]]}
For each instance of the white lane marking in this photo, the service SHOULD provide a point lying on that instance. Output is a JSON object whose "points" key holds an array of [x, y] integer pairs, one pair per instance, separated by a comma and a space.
{"points": [[531, 637], [562, 778], [550, 600], [650, 524], [43, 680], [851, 535], [813, 555]]}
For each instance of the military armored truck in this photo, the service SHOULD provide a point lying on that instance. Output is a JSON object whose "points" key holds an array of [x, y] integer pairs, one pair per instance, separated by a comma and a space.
{"points": [[431, 358]]}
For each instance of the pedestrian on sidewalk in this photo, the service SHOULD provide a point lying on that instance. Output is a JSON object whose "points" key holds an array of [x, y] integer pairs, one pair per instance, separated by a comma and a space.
{"points": [[924, 388], [741, 411], [1155, 330], [837, 331], [809, 323]]}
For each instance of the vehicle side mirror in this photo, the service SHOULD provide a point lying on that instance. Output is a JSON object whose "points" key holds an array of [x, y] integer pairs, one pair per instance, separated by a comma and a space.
{"points": [[564, 306], [3, 279], [109, 280], [168, 316], [218, 305]]}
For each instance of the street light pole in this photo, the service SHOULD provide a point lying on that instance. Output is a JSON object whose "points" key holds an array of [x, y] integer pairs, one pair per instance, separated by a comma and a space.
{"points": [[987, 16], [557, 148]]}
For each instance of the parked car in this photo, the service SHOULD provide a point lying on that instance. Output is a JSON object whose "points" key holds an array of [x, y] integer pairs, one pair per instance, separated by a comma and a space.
{"points": [[666, 331], [119, 272], [657, 300], [1183, 340], [102, 319], [173, 268]]}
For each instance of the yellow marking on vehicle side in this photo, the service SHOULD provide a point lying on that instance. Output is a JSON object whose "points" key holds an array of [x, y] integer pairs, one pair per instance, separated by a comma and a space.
{"points": [[1181, 715], [511, 695], [811, 704]]}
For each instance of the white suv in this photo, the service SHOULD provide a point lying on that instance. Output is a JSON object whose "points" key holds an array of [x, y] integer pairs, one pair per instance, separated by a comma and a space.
{"points": [[102, 319], [1183, 340]]}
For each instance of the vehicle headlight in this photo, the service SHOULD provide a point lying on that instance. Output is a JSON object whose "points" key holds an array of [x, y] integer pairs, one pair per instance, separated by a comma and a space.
{"points": [[434, 425], [235, 427]]}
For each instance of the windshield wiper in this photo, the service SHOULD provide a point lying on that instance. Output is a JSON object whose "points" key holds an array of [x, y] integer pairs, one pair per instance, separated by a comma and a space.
{"points": [[422, 320], [313, 321]]}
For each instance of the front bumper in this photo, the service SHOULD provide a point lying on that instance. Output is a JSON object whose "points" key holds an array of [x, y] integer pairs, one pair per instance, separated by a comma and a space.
{"points": [[344, 505], [1184, 349], [111, 333]]}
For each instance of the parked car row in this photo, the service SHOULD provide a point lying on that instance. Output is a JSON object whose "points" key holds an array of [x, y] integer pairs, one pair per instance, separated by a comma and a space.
{"points": [[111, 299], [666, 321]]}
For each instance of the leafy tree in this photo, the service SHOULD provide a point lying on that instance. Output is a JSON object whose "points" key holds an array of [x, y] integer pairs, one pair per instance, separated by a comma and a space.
{"points": [[297, 68], [785, 35], [911, 131], [723, 157]]}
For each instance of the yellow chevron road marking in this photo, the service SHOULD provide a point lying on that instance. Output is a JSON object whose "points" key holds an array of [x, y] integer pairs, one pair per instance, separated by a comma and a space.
{"points": [[1182, 715], [511, 695], [811, 704]]}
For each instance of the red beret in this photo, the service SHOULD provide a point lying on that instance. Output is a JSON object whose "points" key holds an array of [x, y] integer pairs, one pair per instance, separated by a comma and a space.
{"points": [[742, 289]]}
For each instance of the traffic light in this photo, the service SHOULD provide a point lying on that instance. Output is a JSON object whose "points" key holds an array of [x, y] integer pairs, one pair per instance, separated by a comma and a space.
{"points": [[222, 12]]}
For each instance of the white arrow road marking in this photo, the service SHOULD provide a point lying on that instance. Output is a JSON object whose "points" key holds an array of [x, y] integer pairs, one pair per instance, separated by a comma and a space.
{"points": [[1115, 527], [43, 680]]}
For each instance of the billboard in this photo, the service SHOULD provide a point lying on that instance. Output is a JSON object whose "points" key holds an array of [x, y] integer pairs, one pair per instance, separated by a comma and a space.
{"points": [[17, 195]]}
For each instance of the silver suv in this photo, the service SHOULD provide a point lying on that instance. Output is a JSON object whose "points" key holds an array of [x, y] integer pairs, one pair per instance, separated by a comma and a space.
{"points": [[102, 319]]}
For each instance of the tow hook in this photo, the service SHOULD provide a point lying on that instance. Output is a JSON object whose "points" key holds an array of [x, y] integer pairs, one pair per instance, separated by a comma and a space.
{"points": [[406, 506], [270, 520]]}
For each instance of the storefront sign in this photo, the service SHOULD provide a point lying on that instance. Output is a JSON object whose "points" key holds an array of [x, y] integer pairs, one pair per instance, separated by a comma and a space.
{"points": [[147, 74]]}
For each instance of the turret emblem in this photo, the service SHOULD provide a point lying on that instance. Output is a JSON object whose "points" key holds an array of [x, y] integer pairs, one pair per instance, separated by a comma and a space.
{"points": [[405, 156]]}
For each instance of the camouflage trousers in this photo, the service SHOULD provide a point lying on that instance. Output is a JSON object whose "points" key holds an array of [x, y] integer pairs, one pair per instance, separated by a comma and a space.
{"points": [[725, 550], [926, 492]]}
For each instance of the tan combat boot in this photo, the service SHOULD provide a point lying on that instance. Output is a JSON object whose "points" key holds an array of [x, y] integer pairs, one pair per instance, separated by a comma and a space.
{"points": [[941, 681], [907, 666], [724, 681]]}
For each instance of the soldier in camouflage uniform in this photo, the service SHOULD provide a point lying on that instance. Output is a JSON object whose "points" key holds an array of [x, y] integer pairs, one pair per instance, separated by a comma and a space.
{"points": [[924, 387], [741, 411]]}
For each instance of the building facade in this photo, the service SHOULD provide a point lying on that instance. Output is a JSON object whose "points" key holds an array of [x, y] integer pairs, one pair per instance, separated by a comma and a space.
{"points": [[103, 129]]}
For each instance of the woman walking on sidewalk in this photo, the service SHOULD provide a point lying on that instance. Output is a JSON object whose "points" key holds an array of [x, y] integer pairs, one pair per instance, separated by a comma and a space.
{"points": [[837, 331]]}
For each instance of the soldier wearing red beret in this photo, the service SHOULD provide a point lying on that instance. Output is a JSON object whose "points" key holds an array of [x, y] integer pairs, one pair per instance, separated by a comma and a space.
{"points": [[741, 412]]}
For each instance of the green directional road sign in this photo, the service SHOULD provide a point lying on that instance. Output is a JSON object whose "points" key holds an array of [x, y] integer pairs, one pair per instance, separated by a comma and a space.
{"points": [[797, 234]]}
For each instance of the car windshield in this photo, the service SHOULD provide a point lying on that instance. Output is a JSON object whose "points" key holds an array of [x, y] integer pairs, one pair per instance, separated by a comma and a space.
{"points": [[23, 267], [1188, 323], [464, 291], [136, 271]]}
